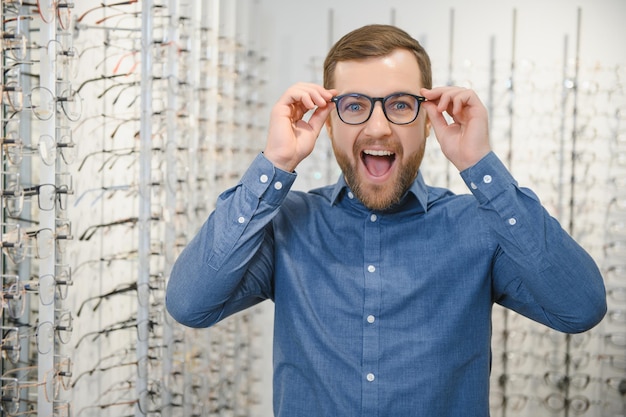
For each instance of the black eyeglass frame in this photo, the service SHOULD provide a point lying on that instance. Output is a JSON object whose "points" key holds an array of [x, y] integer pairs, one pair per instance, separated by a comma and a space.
{"points": [[383, 100]]}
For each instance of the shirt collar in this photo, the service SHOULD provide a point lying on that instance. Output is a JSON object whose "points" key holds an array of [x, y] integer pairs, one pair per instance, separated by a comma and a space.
{"points": [[418, 189]]}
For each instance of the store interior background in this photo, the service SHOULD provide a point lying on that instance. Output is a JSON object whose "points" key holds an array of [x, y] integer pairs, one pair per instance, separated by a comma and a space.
{"points": [[145, 177]]}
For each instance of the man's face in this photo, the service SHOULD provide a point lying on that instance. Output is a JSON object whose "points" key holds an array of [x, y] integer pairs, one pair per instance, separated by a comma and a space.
{"points": [[379, 159]]}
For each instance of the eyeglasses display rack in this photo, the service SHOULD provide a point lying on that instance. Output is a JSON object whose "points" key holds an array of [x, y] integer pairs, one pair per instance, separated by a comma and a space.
{"points": [[120, 122], [559, 126]]}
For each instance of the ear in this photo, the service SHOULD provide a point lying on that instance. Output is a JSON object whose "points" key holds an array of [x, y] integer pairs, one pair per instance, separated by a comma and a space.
{"points": [[329, 127], [427, 127]]}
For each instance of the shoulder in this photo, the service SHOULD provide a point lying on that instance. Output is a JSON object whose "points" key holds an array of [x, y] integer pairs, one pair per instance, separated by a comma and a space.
{"points": [[313, 199], [444, 199]]}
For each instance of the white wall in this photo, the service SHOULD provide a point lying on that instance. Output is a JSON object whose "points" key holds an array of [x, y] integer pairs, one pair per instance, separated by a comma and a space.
{"points": [[293, 34], [294, 31]]}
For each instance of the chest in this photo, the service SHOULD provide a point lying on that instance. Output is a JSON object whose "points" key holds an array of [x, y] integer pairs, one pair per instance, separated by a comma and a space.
{"points": [[343, 264]]}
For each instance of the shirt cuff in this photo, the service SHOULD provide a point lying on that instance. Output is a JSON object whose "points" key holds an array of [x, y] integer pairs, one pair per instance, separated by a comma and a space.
{"points": [[488, 178], [267, 182]]}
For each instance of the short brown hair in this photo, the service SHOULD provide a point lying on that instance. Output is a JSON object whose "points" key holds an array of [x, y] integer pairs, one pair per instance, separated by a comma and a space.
{"points": [[375, 41]]}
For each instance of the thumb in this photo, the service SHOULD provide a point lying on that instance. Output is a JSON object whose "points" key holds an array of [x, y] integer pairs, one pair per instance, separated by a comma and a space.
{"points": [[437, 119], [318, 118]]}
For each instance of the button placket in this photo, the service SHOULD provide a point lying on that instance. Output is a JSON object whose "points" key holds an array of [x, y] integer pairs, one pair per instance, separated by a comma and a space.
{"points": [[372, 282]]}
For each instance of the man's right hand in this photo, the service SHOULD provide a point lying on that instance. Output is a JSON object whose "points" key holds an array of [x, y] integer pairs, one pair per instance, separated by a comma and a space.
{"points": [[290, 138]]}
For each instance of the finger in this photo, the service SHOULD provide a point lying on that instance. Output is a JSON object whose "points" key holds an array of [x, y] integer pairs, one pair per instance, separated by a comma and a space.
{"points": [[318, 118], [310, 95], [321, 98], [436, 117], [432, 94], [435, 107], [435, 94], [299, 99], [461, 101], [447, 98]]}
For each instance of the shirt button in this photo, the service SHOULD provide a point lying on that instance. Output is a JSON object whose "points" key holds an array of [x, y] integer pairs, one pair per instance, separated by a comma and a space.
{"points": [[512, 221], [373, 217], [278, 185], [241, 219], [264, 178], [371, 319], [350, 195], [473, 186], [370, 377], [487, 179], [371, 268]]}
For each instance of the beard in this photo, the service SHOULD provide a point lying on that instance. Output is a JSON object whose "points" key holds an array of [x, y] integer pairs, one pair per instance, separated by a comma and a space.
{"points": [[380, 196]]}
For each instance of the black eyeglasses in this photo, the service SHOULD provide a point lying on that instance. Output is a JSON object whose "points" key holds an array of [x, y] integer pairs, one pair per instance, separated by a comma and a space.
{"points": [[399, 108]]}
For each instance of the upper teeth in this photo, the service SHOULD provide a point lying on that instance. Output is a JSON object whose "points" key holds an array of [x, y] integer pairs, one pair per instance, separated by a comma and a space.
{"points": [[377, 153]]}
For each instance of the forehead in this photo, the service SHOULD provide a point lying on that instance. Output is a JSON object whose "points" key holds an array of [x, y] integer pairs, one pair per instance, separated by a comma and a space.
{"points": [[379, 76]]}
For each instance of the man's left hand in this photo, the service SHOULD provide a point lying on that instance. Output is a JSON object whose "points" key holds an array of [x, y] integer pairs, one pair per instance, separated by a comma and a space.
{"points": [[465, 139]]}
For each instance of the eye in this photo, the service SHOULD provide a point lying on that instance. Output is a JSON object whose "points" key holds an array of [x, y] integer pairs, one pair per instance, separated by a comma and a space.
{"points": [[354, 104], [401, 104], [353, 107]]}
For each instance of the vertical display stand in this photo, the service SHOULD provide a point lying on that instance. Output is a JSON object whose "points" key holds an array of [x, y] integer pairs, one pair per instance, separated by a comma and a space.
{"points": [[47, 80], [145, 191]]}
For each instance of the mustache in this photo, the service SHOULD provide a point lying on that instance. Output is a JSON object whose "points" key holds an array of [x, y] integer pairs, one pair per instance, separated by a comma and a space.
{"points": [[387, 144]]}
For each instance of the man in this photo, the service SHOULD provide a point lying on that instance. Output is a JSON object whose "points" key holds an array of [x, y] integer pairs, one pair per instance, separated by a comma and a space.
{"points": [[383, 286]]}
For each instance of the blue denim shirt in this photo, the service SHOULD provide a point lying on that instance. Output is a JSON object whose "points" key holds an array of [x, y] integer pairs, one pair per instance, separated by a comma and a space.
{"points": [[384, 313]]}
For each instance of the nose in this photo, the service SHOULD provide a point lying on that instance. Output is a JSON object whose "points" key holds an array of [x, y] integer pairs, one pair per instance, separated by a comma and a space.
{"points": [[378, 124]]}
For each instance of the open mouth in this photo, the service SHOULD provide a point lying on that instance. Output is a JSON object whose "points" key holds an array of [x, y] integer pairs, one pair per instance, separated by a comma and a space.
{"points": [[378, 162]]}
